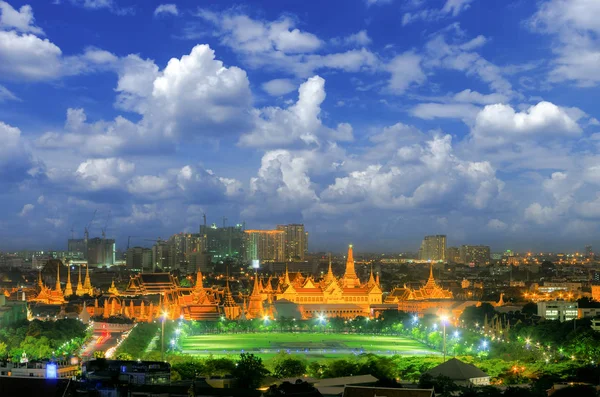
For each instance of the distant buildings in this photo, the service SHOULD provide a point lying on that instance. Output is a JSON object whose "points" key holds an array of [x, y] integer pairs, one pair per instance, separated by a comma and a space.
{"points": [[139, 259], [433, 248], [222, 243], [295, 241], [558, 310], [453, 255], [265, 245], [98, 251], [476, 254]]}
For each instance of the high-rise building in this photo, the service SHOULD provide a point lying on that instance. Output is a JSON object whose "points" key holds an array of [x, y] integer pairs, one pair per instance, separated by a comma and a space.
{"points": [[161, 256], [589, 253], [433, 248], [265, 245], [296, 241], [77, 245], [222, 243], [139, 259], [182, 245], [453, 254], [476, 254], [101, 252]]}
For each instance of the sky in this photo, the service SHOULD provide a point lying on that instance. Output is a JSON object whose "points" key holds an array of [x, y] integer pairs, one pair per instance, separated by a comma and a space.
{"points": [[373, 122]]}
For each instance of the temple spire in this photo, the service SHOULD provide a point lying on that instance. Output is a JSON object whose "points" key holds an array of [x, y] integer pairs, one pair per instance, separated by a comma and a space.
{"points": [[87, 284], [58, 278], [431, 271], [40, 282], [330, 275], [79, 289], [350, 279], [69, 287], [371, 281], [286, 280], [256, 290], [198, 285]]}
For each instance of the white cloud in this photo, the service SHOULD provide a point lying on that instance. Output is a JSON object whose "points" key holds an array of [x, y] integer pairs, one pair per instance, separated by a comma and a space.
{"points": [[279, 87], [430, 111], [468, 96], [7, 95], [452, 8], [299, 122], [28, 57], [406, 71], [497, 224], [109, 5], [21, 20], [499, 124], [27, 208], [279, 45], [577, 30], [358, 39], [168, 9], [108, 173]]}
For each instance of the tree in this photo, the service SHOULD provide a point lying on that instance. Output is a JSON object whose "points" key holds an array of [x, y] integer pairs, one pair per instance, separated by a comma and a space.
{"points": [[290, 367], [530, 308], [443, 385], [3, 350], [124, 356], [99, 354], [249, 371]]}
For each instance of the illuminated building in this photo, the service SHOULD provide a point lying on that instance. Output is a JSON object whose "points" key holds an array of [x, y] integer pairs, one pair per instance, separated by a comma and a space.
{"points": [[433, 248], [295, 240], [453, 254], [558, 310], [101, 251], [222, 243], [139, 259], [344, 297], [476, 254], [265, 245], [50, 296]]}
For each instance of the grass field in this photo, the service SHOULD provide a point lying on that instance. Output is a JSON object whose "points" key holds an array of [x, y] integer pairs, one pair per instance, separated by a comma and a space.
{"points": [[313, 346]]}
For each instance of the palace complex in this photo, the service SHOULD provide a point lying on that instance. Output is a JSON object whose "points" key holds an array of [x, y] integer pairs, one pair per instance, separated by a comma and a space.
{"points": [[151, 295]]}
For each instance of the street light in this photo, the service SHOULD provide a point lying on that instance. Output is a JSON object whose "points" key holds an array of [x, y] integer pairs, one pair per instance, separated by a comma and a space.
{"points": [[444, 319], [162, 339]]}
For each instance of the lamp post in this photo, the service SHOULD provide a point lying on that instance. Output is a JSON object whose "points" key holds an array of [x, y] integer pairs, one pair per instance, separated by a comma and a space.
{"points": [[444, 319], [162, 339]]}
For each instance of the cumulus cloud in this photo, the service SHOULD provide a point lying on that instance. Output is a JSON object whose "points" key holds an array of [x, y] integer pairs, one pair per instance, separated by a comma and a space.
{"points": [[358, 39], [451, 8], [497, 225], [299, 122], [16, 162], [430, 111], [21, 20], [499, 124], [280, 45], [577, 33], [167, 9], [279, 87], [108, 173], [405, 70], [27, 208]]}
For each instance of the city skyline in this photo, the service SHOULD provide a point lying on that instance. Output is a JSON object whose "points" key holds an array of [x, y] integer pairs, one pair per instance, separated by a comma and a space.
{"points": [[374, 124]]}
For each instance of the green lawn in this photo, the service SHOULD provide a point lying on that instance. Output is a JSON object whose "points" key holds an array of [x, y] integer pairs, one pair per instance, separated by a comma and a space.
{"points": [[313, 346]]}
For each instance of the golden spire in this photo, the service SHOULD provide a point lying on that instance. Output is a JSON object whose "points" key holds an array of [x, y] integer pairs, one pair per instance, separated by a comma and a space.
{"points": [[79, 290], [330, 276], [350, 278], [286, 280], [87, 284], [198, 285], [371, 281], [69, 287], [40, 282], [256, 290], [58, 278], [431, 271]]}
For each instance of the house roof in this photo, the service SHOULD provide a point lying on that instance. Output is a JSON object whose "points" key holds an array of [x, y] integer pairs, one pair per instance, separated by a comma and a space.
{"points": [[363, 391], [457, 370], [346, 380]]}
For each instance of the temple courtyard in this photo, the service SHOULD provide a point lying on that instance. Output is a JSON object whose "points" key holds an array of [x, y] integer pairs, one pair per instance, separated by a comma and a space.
{"points": [[310, 345]]}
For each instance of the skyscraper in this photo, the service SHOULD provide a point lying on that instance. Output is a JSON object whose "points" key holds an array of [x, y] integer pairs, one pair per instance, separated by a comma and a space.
{"points": [[476, 254], [433, 248], [296, 241], [265, 245], [222, 243], [139, 259]]}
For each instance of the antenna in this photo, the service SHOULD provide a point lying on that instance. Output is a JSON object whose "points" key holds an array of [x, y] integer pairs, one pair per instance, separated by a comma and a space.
{"points": [[224, 221], [204, 217]]}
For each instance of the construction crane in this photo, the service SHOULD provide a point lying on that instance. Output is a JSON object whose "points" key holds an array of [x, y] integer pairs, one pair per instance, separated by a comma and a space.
{"points": [[86, 229], [104, 238], [204, 217]]}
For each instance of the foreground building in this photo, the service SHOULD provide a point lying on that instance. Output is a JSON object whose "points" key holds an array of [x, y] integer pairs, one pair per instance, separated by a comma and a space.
{"points": [[462, 374]]}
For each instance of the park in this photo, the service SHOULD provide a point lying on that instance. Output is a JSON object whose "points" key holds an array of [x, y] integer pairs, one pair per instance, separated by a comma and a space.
{"points": [[311, 345]]}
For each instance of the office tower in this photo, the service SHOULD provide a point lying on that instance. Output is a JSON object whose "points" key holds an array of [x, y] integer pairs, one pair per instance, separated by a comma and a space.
{"points": [[296, 241], [476, 254], [453, 254], [265, 245], [77, 245], [139, 259], [101, 251], [433, 248], [222, 243], [161, 256]]}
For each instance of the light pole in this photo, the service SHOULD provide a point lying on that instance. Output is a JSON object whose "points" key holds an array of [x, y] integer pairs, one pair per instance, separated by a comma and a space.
{"points": [[444, 319], [162, 339]]}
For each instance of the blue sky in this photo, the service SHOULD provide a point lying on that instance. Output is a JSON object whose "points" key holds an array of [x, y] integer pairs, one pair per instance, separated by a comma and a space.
{"points": [[371, 121]]}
